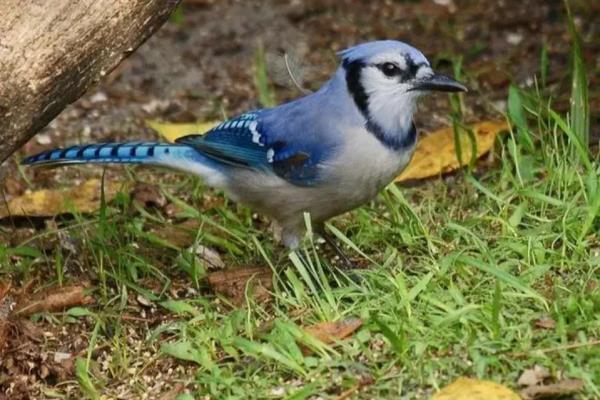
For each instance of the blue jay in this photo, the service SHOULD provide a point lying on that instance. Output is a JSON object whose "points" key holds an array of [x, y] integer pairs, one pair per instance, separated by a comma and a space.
{"points": [[325, 153]]}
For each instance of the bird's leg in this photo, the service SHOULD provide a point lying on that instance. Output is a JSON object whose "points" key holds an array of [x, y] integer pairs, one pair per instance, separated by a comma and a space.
{"points": [[346, 262]]}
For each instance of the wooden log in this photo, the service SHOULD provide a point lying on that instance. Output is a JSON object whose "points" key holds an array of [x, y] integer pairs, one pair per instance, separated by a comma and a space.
{"points": [[51, 52]]}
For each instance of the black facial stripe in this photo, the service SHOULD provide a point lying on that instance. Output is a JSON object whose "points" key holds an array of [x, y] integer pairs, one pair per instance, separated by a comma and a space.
{"points": [[355, 87], [412, 67]]}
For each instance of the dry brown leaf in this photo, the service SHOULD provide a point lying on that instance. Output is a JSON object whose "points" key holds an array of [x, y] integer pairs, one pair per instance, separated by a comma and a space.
{"points": [[181, 235], [474, 389], [552, 391], [209, 257], [330, 332], [545, 323], [84, 198], [173, 393], [436, 154], [28, 329], [234, 283], [533, 376], [53, 299], [148, 195]]}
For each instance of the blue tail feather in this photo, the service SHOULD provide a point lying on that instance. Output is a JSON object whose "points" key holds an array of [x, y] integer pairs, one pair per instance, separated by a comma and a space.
{"points": [[171, 155], [128, 152]]}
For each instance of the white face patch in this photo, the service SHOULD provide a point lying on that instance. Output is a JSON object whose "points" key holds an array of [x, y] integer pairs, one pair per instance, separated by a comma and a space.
{"points": [[391, 104], [374, 82], [384, 92], [270, 154]]}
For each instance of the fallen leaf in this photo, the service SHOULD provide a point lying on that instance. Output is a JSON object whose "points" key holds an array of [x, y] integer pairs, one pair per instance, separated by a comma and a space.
{"points": [[533, 376], [330, 332], [181, 235], [84, 198], [148, 196], [552, 391], [28, 329], [475, 389], [26, 355], [436, 153], [53, 299], [545, 323], [173, 393], [233, 283], [172, 131], [210, 257]]}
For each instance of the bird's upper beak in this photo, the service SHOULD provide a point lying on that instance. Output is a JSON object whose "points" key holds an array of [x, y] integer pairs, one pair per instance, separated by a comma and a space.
{"points": [[438, 83]]}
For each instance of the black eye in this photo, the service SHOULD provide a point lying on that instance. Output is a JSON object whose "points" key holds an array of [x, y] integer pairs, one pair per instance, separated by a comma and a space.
{"points": [[390, 69]]}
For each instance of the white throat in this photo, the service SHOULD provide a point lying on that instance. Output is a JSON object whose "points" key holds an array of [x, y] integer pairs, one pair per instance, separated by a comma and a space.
{"points": [[391, 107], [392, 110]]}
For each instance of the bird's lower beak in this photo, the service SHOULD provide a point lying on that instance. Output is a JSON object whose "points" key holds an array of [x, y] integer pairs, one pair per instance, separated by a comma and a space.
{"points": [[438, 83]]}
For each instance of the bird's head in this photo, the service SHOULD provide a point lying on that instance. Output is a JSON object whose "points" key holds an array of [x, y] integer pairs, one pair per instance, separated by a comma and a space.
{"points": [[385, 78]]}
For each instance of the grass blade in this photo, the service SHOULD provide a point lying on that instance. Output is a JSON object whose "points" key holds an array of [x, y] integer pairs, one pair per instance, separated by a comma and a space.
{"points": [[580, 111], [266, 96]]}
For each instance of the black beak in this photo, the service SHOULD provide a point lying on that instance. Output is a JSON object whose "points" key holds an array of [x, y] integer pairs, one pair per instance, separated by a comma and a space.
{"points": [[438, 83]]}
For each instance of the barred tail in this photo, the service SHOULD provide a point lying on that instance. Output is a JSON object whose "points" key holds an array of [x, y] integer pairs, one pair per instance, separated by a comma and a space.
{"points": [[177, 156], [129, 153]]}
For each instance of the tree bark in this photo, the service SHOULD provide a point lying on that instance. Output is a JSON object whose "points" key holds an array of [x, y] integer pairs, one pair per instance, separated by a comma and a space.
{"points": [[51, 52]]}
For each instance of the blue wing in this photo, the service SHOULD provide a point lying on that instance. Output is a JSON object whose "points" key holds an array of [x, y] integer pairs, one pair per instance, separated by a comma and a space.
{"points": [[246, 141]]}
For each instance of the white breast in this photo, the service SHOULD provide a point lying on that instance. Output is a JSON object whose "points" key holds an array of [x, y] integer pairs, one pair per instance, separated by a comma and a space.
{"points": [[365, 165]]}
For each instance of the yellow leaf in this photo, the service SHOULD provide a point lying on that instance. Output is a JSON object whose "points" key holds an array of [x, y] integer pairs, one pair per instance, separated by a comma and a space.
{"points": [[171, 131], [84, 198], [436, 154], [474, 389]]}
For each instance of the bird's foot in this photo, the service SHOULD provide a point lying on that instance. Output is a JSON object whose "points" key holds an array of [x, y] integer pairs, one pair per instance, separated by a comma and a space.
{"points": [[347, 263]]}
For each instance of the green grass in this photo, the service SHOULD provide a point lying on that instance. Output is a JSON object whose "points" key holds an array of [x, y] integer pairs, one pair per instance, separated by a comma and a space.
{"points": [[458, 272]]}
